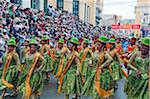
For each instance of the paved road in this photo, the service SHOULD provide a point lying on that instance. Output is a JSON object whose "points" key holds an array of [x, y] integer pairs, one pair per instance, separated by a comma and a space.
{"points": [[49, 91]]}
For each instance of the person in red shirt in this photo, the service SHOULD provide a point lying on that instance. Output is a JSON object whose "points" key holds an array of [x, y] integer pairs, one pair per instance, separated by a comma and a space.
{"points": [[93, 43], [132, 46], [80, 45]]}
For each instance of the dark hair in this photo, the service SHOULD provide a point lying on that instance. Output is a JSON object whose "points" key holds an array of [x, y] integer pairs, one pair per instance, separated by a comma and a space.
{"points": [[12, 46], [32, 44], [11, 7], [104, 44], [36, 45], [133, 38], [76, 46]]}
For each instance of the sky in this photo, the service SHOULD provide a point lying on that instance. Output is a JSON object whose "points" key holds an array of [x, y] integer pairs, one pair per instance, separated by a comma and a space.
{"points": [[124, 8]]}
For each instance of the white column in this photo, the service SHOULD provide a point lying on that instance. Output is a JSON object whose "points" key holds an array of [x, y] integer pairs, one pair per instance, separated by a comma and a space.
{"points": [[41, 4], [82, 9], [53, 3], [26, 3], [68, 5]]}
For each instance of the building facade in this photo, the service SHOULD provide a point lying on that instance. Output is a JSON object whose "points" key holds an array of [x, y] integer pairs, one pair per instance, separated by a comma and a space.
{"points": [[88, 10], [142, 13], [110, 19], [35, 4], [99, 12]]}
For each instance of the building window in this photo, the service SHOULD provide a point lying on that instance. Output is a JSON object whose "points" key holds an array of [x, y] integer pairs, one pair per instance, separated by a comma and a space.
{"points": [[76, 7], [85, 12], [98, 18], [16, 1], [35, 4], [45, 5], [60, 4], [88, 13]]}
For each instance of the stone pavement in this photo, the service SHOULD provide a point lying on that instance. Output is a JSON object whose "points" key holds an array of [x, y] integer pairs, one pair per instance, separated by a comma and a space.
{"points": [[49, 91]]}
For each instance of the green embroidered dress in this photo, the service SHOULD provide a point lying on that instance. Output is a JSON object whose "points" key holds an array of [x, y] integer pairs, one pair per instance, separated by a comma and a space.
{"points": [[85, 66], [48, 63], [58, 56], [72, 82], [137, 88], [36, 80], [106, 81], [116, 68], [89, 87], [56, 63], [12, 72]]}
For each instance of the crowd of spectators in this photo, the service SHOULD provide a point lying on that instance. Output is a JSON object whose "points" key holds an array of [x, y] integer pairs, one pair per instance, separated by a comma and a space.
{"points": [[26, 23]]}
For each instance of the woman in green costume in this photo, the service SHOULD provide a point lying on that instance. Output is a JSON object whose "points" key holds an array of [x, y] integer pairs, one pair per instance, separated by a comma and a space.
{"points": [[136, 86], [60, 58], [86, 59], [100, 83], [70, 79], [31, 81], [115, 68], [48, 54], [26, 47], [11, 69]]}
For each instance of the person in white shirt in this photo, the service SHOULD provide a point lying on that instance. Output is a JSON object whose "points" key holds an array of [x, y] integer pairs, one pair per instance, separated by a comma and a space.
{"points": [[5, 35], [2, 47]]}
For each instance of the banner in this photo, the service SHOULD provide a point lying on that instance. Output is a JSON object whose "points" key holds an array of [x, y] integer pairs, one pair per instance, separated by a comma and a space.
{"points": [[130, 26], [136, 26], [115, 26]]}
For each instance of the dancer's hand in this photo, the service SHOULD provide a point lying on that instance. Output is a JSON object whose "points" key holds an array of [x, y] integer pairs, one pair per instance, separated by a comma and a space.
{"points": [[77, 73], [0, 60], [10, 86], [138, 73]]}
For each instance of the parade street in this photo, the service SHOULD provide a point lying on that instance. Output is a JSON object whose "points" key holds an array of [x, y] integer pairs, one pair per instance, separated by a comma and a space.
{"points": [[74, 49], [49, 91]]}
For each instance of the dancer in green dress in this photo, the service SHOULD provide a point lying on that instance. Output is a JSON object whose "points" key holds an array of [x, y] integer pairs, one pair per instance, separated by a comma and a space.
{"points": [[100, 83], [86, 55], [136, 86], [25, 50], [115, 67], [26, 47], [48, 55], [31, 81], [70, 79], [11, 69], [60, 57]]}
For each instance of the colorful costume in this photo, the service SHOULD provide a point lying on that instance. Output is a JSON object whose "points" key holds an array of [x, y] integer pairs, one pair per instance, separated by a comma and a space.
{"points": [[31, 81], [86, 60], [11, 68], [60, 59], [115, 68], [131, 48], [48, 55], [137, 87], [100, 83], [89, 87], [26, 49], [70, 79]]}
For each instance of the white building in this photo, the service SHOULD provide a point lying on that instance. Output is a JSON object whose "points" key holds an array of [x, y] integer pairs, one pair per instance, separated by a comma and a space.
{"points": [[35, 4], [128, 21], [142, 12], [109, 19], [99, 12]]}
